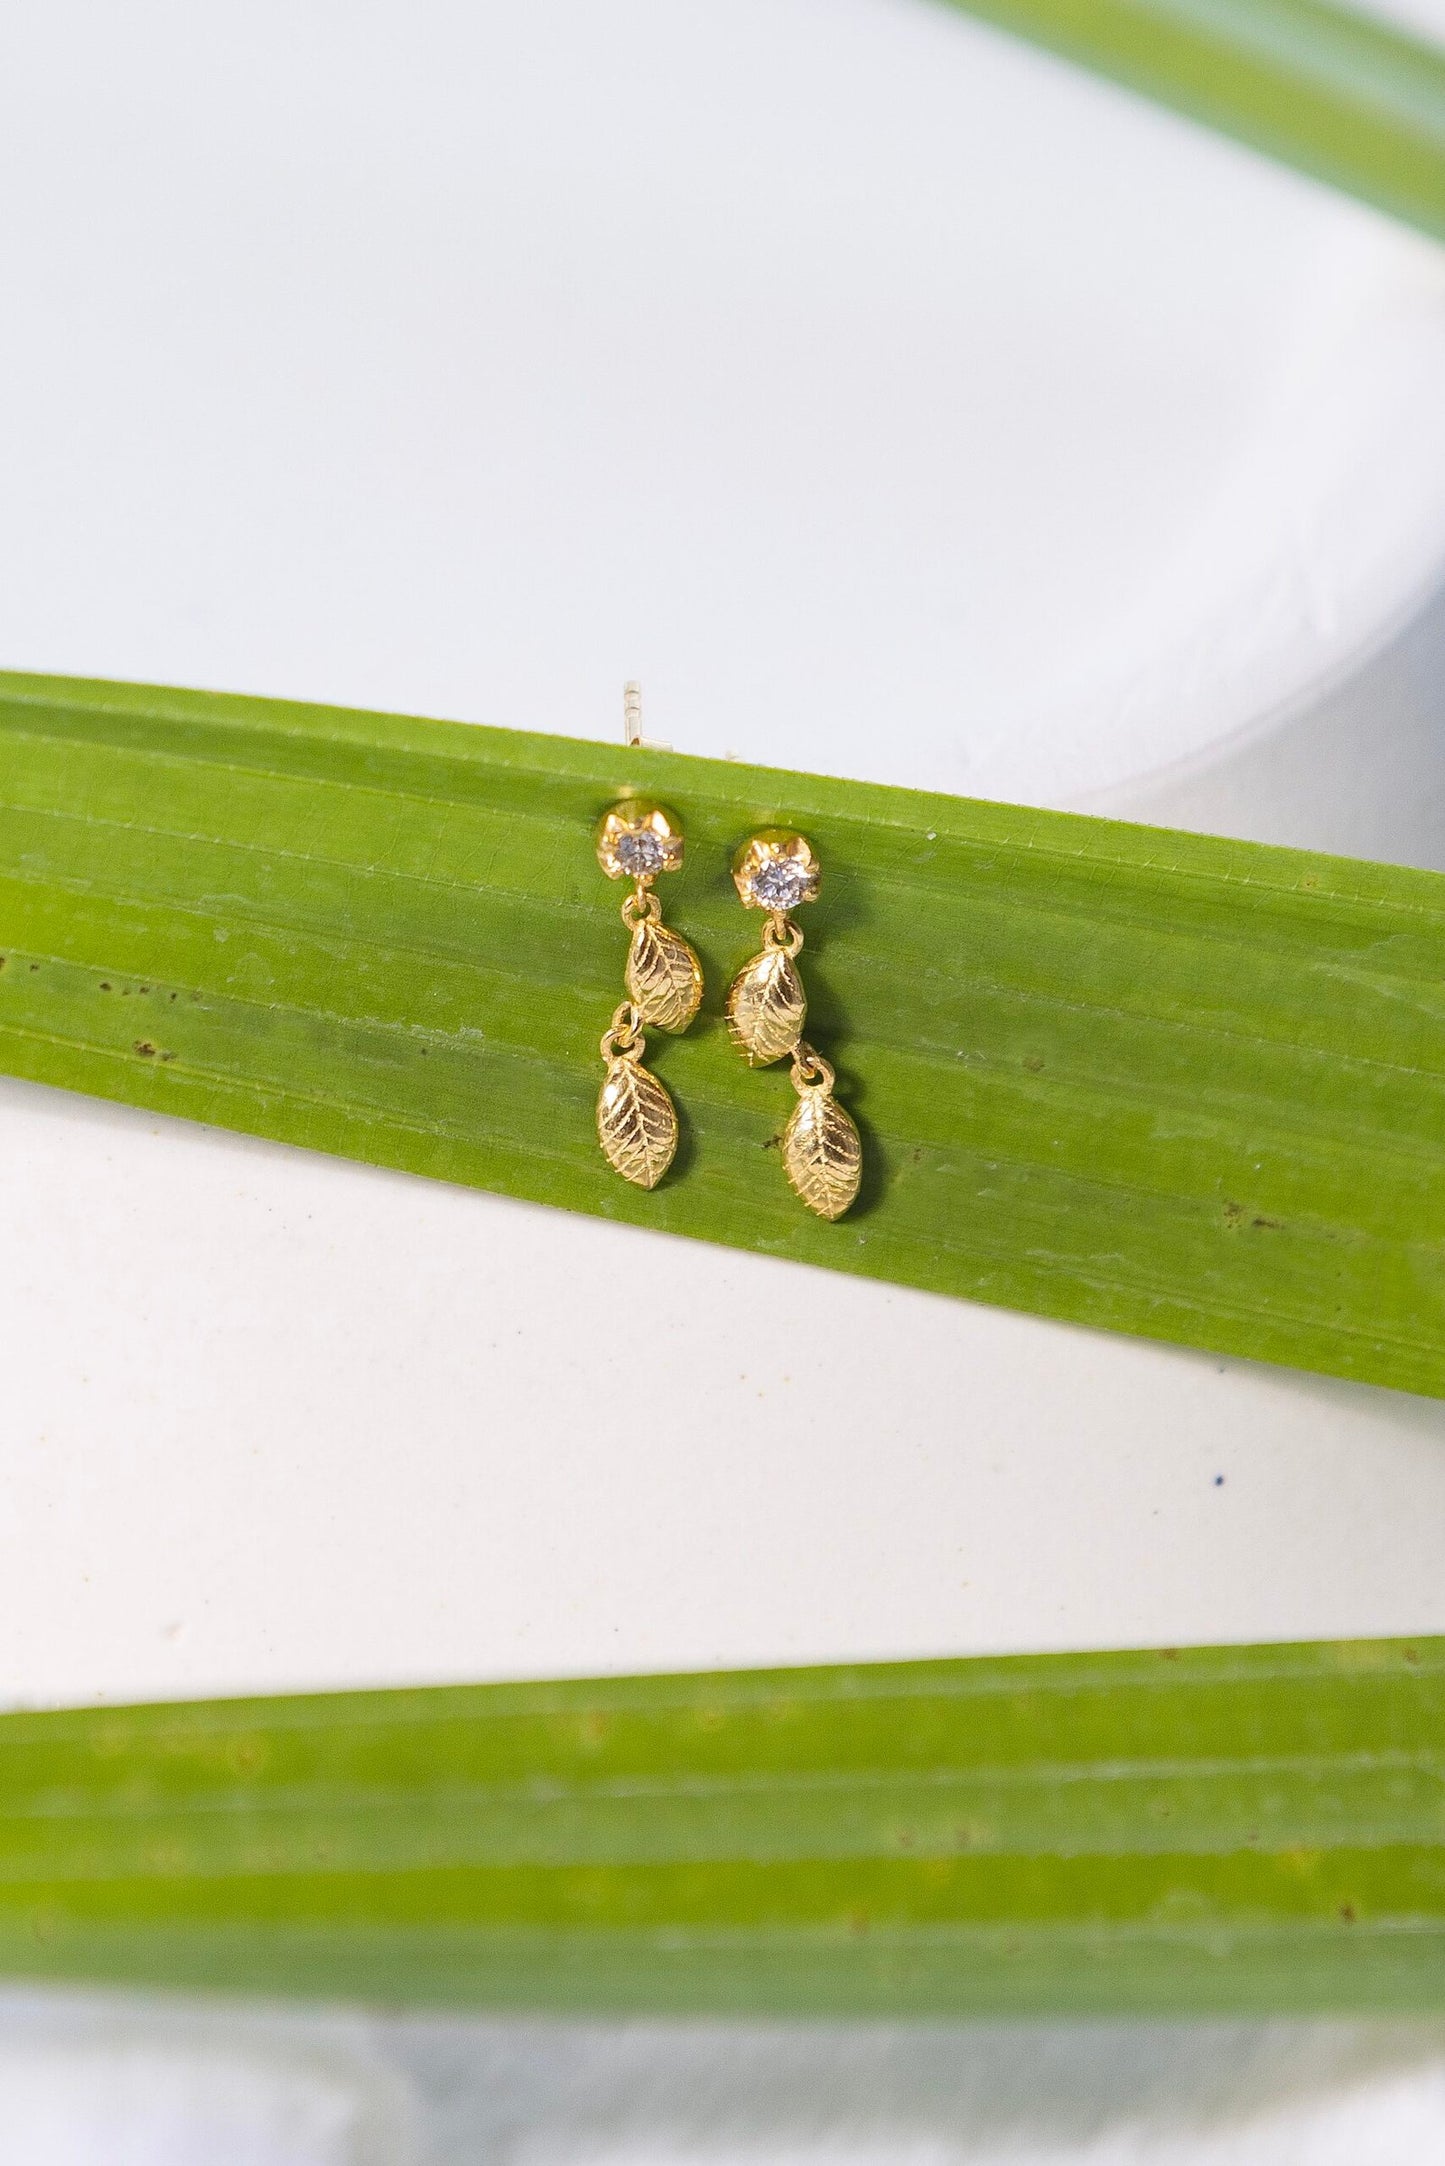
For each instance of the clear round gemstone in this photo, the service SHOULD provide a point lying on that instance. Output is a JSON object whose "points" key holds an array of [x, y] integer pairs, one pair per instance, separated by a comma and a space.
{"points": [[640, 851], [781, 883]]}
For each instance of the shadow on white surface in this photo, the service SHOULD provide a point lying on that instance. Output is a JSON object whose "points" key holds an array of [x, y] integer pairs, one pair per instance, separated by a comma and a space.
{"points": [[1358, 770], [140, 2082]]}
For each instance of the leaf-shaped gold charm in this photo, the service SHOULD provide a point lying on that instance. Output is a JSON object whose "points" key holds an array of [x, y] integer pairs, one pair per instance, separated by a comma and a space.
{"points": [[822, 1155], [664, 977], [636, 1123], [767, 1007]]}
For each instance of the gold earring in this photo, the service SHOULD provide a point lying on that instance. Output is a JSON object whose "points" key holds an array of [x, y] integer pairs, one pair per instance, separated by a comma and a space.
{"points": [[636, 1119], [767, 1008]]}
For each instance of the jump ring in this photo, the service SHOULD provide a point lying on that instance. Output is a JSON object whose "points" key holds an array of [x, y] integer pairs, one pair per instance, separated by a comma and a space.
{"points": [[640, 908], [780, 933]]}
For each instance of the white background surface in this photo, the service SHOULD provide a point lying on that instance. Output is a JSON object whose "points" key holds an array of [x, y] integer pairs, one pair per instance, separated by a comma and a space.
{"points": [[893, 401], [85, 2079], [891, 398], [327, 1425]]}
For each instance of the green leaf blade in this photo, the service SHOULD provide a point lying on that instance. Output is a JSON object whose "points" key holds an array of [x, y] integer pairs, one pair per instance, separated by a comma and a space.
{"points": [[1206, 1830], [1342, 96], [1163, 1084]]}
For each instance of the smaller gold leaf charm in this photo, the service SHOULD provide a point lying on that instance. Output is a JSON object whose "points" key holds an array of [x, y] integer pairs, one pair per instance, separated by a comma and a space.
{"points": [[767, 1007], [636, 1123], [822, 1155], [664, 977]]}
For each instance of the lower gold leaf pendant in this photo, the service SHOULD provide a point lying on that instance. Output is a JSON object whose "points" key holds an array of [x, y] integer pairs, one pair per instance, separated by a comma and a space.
{"points": [[822, 1153], [636, 1119]]}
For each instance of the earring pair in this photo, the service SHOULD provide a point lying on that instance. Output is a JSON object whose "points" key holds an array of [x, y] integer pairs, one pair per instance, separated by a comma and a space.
{"points": [[774, 871]]}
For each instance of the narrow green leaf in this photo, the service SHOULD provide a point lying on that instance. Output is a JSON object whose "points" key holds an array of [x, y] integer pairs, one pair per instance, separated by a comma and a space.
{"points": [[1219, 1829], [1160, 1083], [1339, 94]]}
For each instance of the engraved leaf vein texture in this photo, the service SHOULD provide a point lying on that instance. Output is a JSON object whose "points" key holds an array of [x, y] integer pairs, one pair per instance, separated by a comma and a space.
{"points": [[636, 1123], [663, 977], [822, 1155], [767, 1007]]}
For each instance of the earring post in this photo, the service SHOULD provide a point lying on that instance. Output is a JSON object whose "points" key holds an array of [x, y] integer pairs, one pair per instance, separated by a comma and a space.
{"points": [[632, 712]]}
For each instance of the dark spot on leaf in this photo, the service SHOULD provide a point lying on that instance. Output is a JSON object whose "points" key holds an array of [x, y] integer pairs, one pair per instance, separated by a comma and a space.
{"points": [[170, 996], [1347, 1912], [1168, 1654], [1273, 1224], [1309, 880], [105, 985], [1410, 1654], [1034, 1062], [1233, 1213], [145, 1049], [918, 1154], [35, 966], [774, 1142], [168, 1056]]}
